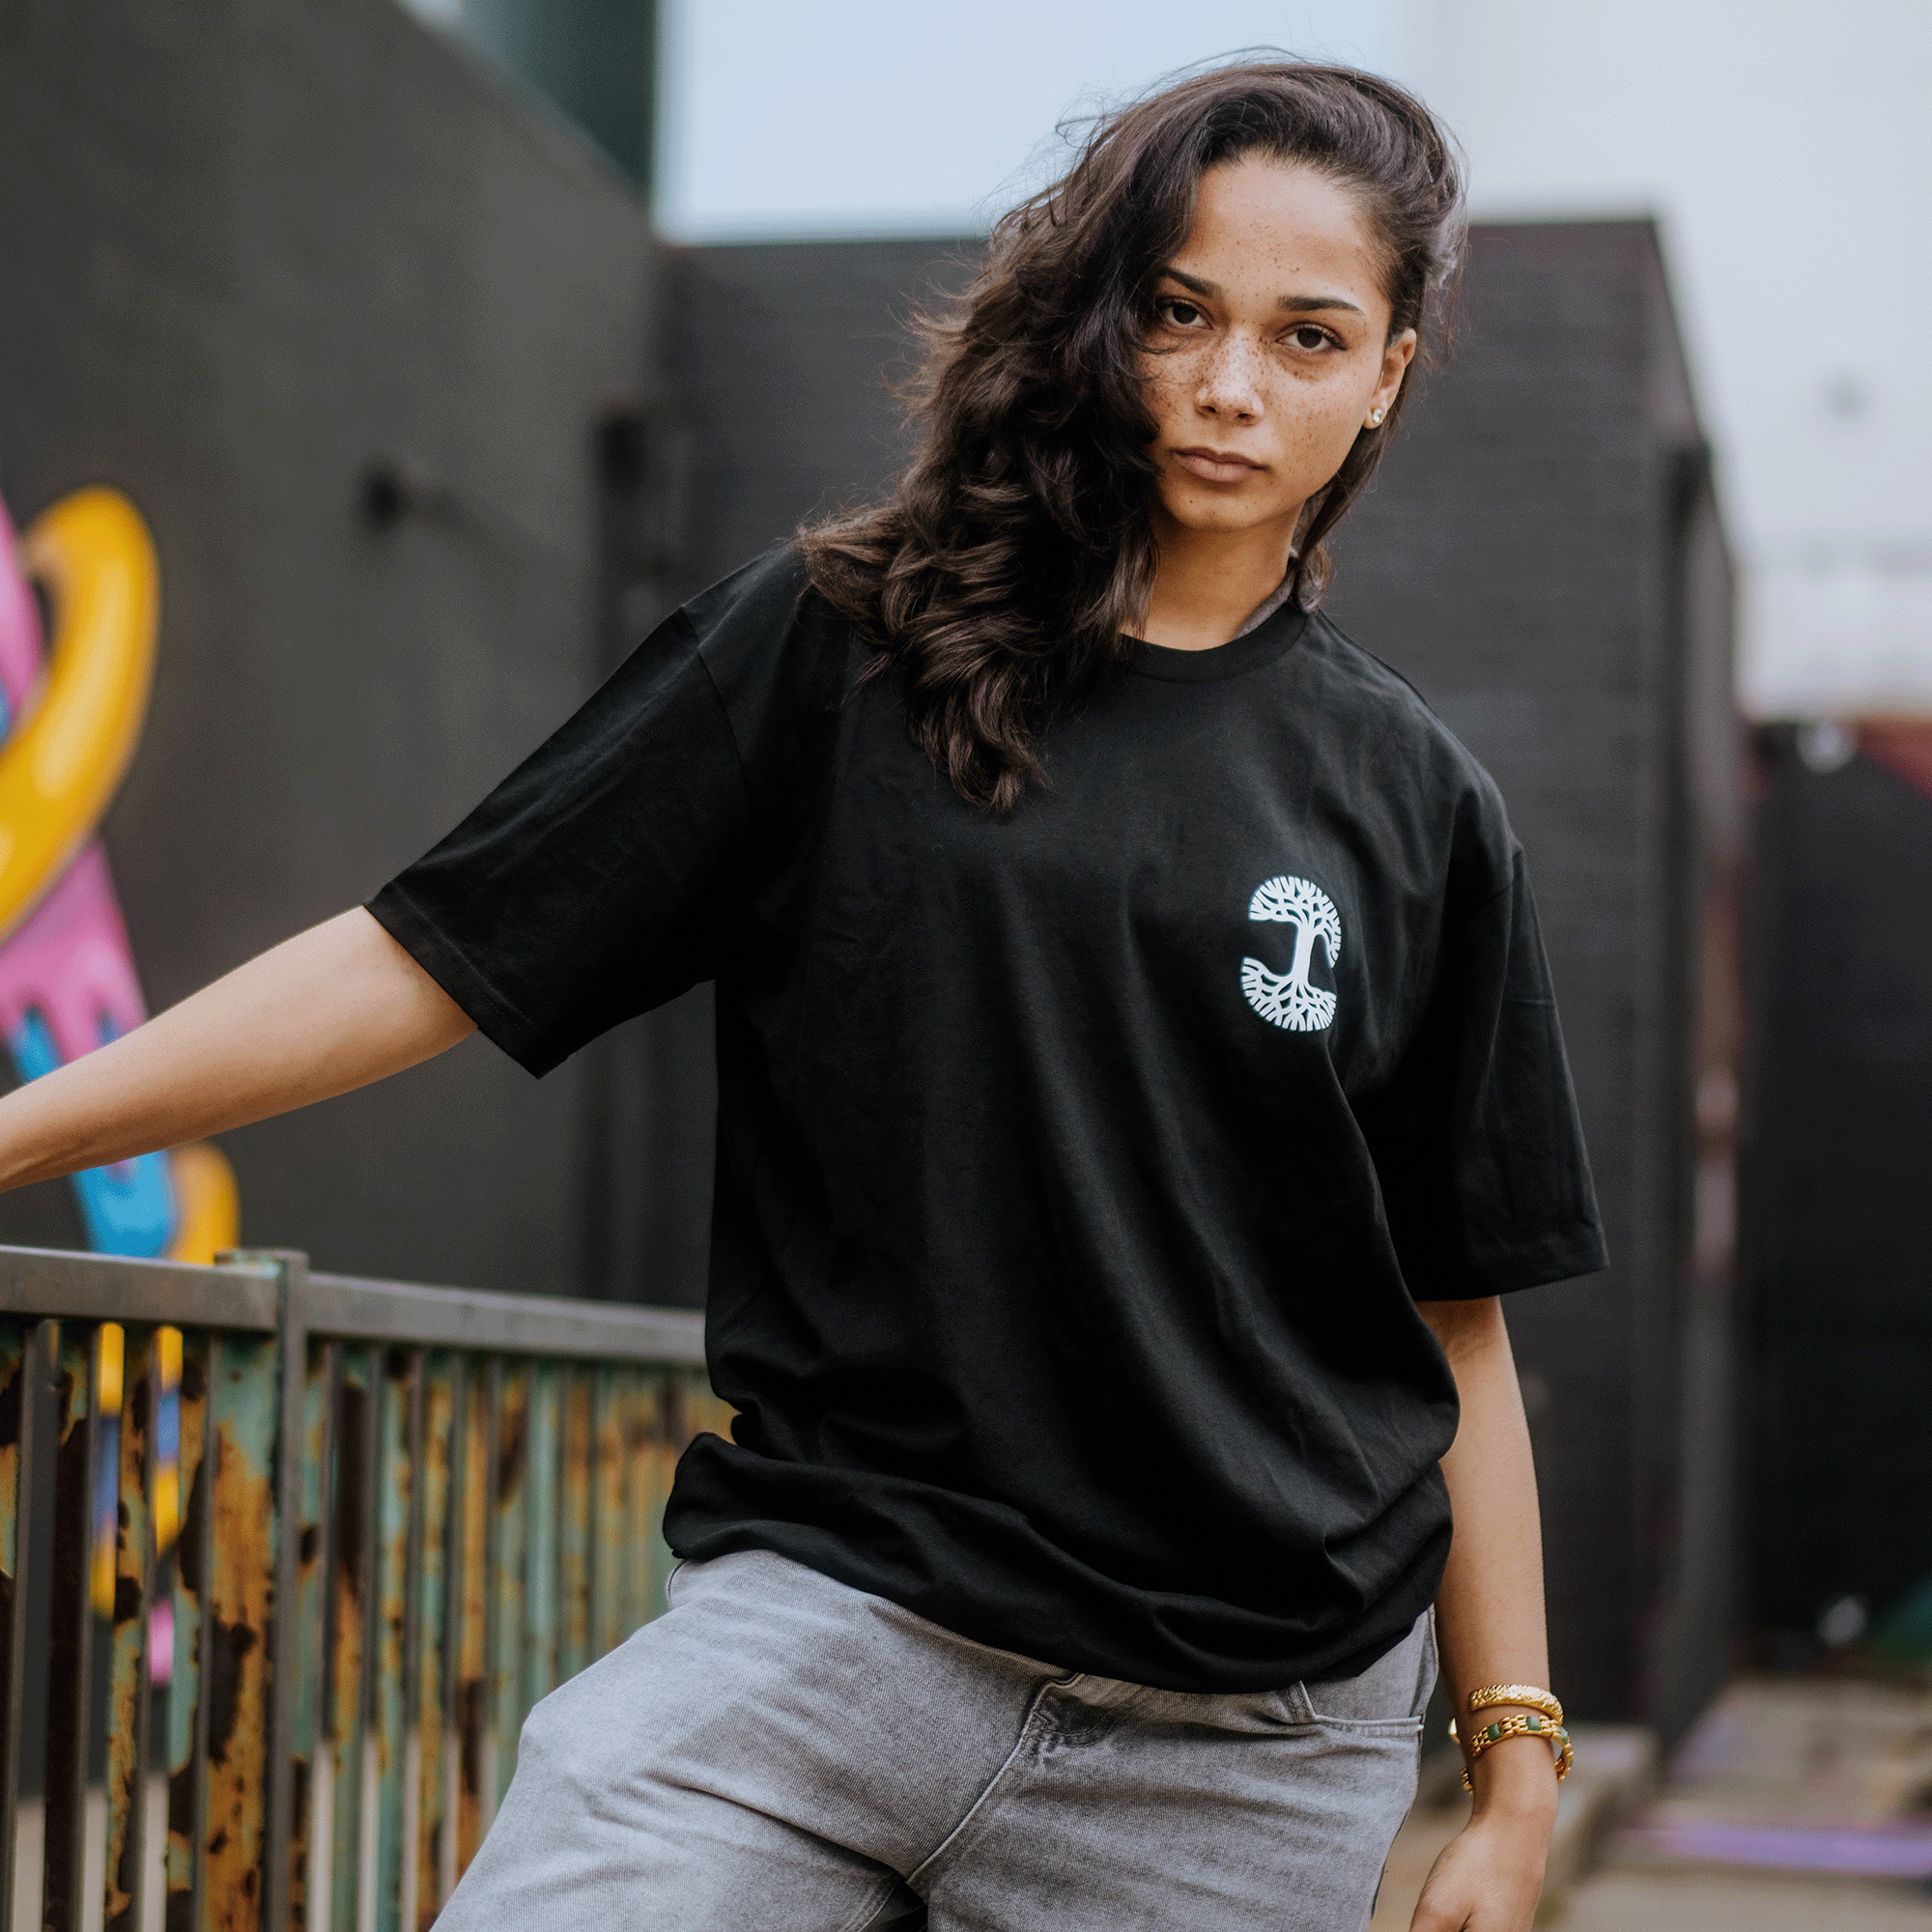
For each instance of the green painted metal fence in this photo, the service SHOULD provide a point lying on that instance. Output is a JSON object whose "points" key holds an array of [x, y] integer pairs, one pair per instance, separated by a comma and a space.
{"points": [[285, 1560]]}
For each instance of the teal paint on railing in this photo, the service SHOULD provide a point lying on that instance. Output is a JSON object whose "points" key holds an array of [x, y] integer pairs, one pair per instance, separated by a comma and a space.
{"points": [[573, 1504], [509, 1584], [540, 1600], [392, 1529], [641, 1438], [439, 1405], [610, 1517]]}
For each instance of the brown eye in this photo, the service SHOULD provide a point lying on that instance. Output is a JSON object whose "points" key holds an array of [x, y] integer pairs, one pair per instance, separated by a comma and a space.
{"points": [[1309, 337], [1183, 314]]}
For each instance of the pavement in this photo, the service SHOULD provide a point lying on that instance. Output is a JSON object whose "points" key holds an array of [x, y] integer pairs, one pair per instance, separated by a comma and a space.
{"points": [[1797, 1804], [1614, 1900]]}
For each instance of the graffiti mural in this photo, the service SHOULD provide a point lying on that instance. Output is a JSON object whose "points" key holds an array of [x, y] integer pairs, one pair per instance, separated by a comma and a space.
{"points": [[70, 715]]}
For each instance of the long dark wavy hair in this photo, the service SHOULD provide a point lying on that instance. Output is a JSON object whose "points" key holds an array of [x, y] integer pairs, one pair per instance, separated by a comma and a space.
{"points": [[1003, 578]]}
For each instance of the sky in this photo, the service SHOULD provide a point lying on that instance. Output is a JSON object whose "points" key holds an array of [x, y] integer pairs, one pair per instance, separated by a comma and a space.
{"points": [[1772, 142]]}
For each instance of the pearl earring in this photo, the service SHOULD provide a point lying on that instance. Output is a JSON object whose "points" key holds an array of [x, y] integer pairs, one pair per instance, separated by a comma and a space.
{"points": [[1376, 416]]}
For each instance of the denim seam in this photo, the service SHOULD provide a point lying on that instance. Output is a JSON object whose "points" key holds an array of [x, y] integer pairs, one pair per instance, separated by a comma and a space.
{"points": [[1370, 1727], [975, 1812]]}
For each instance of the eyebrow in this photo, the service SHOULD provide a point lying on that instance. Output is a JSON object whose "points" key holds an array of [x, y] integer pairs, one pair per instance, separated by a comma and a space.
{"points": [[1294, 305]]}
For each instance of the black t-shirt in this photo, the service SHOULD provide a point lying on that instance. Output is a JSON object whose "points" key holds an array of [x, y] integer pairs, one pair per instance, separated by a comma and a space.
{"points": [[1077, 1172]]}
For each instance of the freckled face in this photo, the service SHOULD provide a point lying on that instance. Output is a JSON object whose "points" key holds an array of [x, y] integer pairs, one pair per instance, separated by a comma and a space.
{"points": [[1270, 348]]}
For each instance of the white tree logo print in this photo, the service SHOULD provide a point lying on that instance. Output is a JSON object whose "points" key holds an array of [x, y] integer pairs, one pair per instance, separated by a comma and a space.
{"points": [[1287, 999]]}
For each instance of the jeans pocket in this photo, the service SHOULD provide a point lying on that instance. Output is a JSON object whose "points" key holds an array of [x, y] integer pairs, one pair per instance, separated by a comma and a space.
{"points": [[1390, 1696]]}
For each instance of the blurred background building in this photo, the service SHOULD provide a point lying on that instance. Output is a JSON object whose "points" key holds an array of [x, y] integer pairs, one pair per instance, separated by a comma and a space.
{"points": [[439, 349]]}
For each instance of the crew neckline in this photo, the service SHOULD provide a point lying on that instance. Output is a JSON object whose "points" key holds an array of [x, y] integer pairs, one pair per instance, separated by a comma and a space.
{"points": [[1272, 637]]}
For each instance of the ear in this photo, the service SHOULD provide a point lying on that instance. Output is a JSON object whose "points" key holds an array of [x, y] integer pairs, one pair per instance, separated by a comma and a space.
{"points": [[1396, 358]]}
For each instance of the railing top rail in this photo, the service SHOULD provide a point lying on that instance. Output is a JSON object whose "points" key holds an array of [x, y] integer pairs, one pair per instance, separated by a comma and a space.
{"points": [[406, 1314], [112, 1288], [244, 1295]]}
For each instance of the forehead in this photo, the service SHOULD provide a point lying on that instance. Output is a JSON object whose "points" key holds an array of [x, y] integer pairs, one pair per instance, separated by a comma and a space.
{"points": [[1267, 228]]}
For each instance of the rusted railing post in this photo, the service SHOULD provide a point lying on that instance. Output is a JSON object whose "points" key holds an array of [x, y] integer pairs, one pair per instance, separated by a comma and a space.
{"points": [[197, 1551], [73, 1666], [292, 1339], [39, 1350]]}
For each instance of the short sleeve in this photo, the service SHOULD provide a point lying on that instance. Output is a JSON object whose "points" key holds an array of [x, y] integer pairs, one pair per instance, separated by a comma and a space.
{"points": [[1477, 1144], [589, 886]]}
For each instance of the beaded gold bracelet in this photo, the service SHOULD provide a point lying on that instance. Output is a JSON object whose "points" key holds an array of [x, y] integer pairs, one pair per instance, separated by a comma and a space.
{"points": [[1527, 1695]]}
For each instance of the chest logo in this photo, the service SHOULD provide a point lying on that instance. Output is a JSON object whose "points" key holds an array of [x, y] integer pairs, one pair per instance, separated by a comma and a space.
{"points": [[1287, 999]]}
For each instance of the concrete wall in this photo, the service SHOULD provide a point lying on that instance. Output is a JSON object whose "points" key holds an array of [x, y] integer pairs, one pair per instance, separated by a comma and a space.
{"points": [[250, 251], [1542, 556]]}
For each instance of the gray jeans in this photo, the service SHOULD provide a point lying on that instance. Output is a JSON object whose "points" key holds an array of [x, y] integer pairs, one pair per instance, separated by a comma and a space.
{"points": [[780, 1754]]}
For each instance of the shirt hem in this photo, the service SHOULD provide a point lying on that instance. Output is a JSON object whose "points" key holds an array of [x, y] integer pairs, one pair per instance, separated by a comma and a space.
{"points": [[1566, 1257]]}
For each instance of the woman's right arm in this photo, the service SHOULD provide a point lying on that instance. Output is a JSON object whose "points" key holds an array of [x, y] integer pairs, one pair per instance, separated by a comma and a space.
{"points": [[333, 1009]]}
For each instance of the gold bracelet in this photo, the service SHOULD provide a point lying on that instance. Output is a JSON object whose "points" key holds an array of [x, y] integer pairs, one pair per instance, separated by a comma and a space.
{"points": [[1528, 1696], [1557, 1737]]}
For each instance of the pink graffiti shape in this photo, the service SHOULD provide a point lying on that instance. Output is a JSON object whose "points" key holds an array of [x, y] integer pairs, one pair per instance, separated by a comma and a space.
{"points": [[19, 625], [69, 959]]}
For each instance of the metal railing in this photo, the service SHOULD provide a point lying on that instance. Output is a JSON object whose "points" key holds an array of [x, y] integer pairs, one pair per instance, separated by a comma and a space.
{"points": [[285, 1560]]}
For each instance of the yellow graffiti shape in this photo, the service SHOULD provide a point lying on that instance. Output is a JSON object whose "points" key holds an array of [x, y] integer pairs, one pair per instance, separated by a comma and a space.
{"points": [[60, 769], [208, 1203]]}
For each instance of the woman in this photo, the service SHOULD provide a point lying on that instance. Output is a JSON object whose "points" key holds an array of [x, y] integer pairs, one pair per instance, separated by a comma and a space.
{"points": [[1138, 1078]]}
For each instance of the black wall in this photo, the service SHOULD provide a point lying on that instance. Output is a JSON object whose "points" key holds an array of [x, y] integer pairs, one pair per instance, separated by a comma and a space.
{"points": [[252, 250], [1542, 556], [1839, 1230], [784, 360]]}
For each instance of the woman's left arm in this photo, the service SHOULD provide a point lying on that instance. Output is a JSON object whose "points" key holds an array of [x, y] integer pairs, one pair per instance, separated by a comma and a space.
{"points": [[1489, 1622]]}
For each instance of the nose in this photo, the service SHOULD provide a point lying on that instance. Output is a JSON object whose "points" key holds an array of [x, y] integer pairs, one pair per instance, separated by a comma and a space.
{"points": [[1231, 389]]}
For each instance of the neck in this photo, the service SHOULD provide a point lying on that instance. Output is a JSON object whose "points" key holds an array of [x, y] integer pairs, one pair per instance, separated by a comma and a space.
{"points": [[1209, 581]]}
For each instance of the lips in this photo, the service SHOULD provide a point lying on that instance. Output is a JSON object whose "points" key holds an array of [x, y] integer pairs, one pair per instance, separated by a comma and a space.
{"points": [[1216, 466]]}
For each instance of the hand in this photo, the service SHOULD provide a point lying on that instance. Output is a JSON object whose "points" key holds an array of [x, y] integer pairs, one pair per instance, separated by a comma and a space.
{"points": [[1490, 1875]]}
